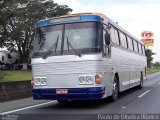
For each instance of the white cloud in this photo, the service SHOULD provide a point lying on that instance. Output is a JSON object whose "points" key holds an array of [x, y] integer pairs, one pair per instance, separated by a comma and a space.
{"points": [[133, 15]]}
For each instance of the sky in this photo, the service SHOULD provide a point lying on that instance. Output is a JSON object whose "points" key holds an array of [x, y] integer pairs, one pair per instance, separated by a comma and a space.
{"points": [[135, 16]]}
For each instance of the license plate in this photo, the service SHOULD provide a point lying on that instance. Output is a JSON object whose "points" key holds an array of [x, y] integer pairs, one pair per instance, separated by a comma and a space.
{"points": [[61, 91]]}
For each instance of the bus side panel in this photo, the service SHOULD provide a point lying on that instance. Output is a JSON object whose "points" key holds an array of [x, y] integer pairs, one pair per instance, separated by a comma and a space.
{"points": [[128, 65], [108, 76], [121, 66]]}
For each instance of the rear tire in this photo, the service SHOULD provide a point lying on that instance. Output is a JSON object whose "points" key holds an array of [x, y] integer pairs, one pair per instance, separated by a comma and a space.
{"points": [[141, 82], [115, 90]]}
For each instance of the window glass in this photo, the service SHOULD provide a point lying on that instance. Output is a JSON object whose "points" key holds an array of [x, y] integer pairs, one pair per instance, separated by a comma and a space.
{"points": [[126, 40], [140, 48], [91, 36], [54, 40], [114, 35], [123, 40], [143, 47], [105, 47], [130, 43], [135, 46]]}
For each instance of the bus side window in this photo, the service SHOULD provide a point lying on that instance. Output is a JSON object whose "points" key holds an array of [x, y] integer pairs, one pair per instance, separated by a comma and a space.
{"points": [[135, 46], [130, 43], [143, 47], [143, 52], [114, 35], [140, 48], [106, 48], [123, 39], [126, 40]]}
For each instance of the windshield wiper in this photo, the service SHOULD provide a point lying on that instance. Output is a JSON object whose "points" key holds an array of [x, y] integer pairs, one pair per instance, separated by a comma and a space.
{"points": [[74, 50], [50, 50]]}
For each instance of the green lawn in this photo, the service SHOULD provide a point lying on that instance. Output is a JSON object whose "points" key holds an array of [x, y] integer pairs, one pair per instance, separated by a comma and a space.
{"points": [[17, 75], [150, 71]]}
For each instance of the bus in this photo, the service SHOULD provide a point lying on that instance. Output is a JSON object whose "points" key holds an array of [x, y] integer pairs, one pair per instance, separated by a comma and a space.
{"points": [[85, 56]]}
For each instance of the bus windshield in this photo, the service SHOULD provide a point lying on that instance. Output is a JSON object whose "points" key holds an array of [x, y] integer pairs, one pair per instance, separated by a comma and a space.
{"points": [[84, 38]]}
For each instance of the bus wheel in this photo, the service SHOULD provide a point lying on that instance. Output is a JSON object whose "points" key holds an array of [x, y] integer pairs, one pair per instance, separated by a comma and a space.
{"points": [[141, 82], [62, 101], [115, 90]]}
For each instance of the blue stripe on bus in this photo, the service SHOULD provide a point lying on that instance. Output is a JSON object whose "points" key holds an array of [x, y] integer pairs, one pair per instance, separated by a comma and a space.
{"points": [[82, 18], [73, 94], [91, 18], [42, 23]]}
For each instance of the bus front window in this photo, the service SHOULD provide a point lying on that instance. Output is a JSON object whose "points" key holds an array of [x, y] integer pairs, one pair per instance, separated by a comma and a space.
{"points": [[45, 38], [84, 37]]}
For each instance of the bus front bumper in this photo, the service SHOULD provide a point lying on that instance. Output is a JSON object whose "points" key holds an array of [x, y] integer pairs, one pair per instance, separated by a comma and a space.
{"points": [[93, 93]]}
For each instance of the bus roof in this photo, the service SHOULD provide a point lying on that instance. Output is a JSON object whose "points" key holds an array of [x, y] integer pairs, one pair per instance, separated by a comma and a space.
{"points": [[86, 13], [72, 18]]}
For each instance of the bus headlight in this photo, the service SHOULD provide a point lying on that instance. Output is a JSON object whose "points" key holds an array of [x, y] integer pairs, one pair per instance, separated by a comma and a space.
{"points": [[37, 81], [82, 80], [41, 81], [89, 80], [85, 80]]}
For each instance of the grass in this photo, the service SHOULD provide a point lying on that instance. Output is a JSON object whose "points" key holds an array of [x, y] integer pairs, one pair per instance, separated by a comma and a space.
{"points": [[21, 75], [17, 75], [150, 71]]}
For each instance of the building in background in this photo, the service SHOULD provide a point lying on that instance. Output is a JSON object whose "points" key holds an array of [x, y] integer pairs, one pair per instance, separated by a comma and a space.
{"points": [[8, 59]]}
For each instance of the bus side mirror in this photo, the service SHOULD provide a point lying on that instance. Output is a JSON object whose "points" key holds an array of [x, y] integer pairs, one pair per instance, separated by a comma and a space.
{"points": [[107, 39]]}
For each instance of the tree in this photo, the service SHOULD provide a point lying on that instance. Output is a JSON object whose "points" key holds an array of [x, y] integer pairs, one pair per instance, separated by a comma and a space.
{"points": [[18, 20], [4, 16], [149, 54], [157, 64]]}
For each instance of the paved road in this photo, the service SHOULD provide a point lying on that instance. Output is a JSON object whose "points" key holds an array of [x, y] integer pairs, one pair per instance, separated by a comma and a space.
{"points": [[145, 101]]}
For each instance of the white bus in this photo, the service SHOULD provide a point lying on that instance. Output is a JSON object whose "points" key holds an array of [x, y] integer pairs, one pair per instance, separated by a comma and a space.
{"points": [[85, 56]]}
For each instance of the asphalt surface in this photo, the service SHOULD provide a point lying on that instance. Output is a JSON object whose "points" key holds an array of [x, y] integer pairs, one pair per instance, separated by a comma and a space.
{"points": [[132, 104]]}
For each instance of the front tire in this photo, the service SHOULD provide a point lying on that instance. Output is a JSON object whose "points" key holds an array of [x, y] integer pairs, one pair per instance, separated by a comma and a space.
{"points": [[115, 90]]}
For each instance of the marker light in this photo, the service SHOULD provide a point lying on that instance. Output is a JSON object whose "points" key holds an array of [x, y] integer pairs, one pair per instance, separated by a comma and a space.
{"points": [[98, 79]]}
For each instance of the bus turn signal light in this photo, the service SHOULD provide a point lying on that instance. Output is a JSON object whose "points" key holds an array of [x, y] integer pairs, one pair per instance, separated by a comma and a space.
{"points": [[32, 82], [98, 79]]}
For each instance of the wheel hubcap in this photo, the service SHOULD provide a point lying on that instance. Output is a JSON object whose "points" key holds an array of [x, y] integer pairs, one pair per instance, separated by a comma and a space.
{"points": [[115, 88]]}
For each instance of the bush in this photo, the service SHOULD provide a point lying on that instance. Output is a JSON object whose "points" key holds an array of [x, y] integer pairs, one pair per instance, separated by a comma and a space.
{"points": [[2, 75]]}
